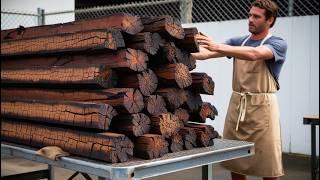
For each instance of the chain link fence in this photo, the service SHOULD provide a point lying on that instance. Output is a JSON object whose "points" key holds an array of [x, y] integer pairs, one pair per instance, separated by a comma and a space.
{"points": [[188, 11]]}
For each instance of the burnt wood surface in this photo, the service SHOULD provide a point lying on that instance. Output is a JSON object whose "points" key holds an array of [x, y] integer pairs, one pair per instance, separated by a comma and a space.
{"points": [[155, 105], [149, 146], [59, 76], [108, 39], [106, 146], [206, 110], [201, 83], [145, 41], [173, 97], [189, 42], [71, 113], [175, 143], [122, 21], [165, 124]]}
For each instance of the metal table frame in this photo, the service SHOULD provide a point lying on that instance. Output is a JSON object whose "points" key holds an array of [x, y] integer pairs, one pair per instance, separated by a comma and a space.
{"points": [[137, 168]]}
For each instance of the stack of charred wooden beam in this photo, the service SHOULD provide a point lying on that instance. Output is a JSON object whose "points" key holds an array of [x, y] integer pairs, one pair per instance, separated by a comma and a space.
{"points": [[106, 88]]}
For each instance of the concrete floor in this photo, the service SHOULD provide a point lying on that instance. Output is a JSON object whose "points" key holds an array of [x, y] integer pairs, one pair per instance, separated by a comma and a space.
{"points": [[296, 168]]}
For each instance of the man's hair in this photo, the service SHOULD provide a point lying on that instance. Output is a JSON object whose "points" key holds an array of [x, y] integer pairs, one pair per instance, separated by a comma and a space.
{"points": [[270, 7]]}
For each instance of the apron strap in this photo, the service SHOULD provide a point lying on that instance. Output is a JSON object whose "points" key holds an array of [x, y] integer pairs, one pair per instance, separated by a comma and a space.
{"points": [[262, 42], [242, 107]]}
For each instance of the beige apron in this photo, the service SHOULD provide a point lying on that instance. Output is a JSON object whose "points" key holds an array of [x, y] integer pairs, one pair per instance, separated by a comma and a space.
{"points": [[253, 115]]}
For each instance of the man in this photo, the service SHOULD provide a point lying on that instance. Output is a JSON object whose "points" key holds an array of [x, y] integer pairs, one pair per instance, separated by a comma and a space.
{"points": [[253, 113]]}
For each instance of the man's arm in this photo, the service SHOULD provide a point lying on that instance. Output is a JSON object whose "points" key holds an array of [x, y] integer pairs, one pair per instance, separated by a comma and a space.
{"points": [[204, 54], [241, 52]]}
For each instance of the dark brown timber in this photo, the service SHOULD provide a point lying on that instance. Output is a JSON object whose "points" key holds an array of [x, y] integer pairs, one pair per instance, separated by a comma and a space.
{"points": [[124, 100], [108, 39], [59, 76], [149, 146], [166, 26], [193, 101], [104, 146], [122, 21], [165, 124], [146, 41], [189, 137], [175, 143], [155, 105], [201, 83], [177, 75], [131, 124], [72, 113], [206, 110], [182, 114], [189, 42], [174, 97], [146, 81]]}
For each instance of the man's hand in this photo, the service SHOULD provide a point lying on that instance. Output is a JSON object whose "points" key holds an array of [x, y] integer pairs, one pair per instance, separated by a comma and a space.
{"points": [[206, 42]]}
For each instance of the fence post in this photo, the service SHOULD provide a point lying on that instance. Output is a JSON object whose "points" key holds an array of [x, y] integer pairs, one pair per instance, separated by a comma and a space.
{"points": [[186, 11], [290, 8], [41, 20]]}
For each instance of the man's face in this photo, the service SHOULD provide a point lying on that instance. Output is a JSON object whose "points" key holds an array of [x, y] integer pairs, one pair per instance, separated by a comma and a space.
{"points": [[257, 20]]}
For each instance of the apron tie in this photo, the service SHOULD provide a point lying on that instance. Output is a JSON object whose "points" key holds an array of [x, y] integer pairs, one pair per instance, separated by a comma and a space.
{"points": [[242, 107]]}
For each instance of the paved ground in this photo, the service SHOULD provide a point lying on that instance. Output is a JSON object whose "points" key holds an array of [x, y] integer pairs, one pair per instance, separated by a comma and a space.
{"points": [[296, 168]]}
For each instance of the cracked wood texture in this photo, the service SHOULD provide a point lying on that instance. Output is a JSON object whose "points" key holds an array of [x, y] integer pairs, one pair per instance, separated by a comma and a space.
{"points": [[193, 101], [106, 146], [173, 97], [206, 110], [124, 100], [108, 39], [189, 137], [122, 21], [182, 114], [165, 124], [145, 81], [201, 83], [150, 146], [121, 60], [189, 42], [60, 76], [173, 75], [166, 26], [203, 136], [71, 113], [175, 143], [131, 124], [146, 41], [206, 128], [155, 105]]}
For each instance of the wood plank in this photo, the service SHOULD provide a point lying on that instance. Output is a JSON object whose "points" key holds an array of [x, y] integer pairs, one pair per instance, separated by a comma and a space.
{"points": [[204, 135], [60, 76], [71, 113], [145, 81], [173, 97], [175, 143], [105, 146], [189, 43], [206, 110], [189, 137], [173, 75], [193, 101], [122, 21], [124, 100], [107, 39], [155, 105], [166, 26], [202, 83], [131, 124], [146, 41], [121, 60], [149, 146], [165, 124], [182, 114], [206, 128]]}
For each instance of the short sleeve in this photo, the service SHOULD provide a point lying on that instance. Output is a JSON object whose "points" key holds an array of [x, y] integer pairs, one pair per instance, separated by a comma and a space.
{"points": [[278, 47]]}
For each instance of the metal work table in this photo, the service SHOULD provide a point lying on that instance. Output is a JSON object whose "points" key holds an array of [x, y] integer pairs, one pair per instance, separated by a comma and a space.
{"points": [[137, 168]]}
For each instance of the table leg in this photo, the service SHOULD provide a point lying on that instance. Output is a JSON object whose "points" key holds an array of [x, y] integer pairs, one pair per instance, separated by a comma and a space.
{"points": [[51, 172], [207, 172], [313, 153]]}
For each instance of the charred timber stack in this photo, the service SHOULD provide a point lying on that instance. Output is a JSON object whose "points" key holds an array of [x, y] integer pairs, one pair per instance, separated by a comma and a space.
{"points": [[107, 88]]}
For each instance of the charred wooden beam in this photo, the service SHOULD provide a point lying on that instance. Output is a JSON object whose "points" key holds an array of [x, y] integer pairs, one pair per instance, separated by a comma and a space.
{"points": [[203, 135], [122, 21], [146, 41], [165, 124], [108, 39], [182, 114], [177, 75], [72, 113], [206, 110], [155, 105], [149, 146], [189, 137], [166, 26], [175, 143], [201, 83], [174, 97], [189, 42], [121, 60], [124, 100], [205, 128], [146, 81], [131, 124], [105, 146], [59, 76], [193, 101]]}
